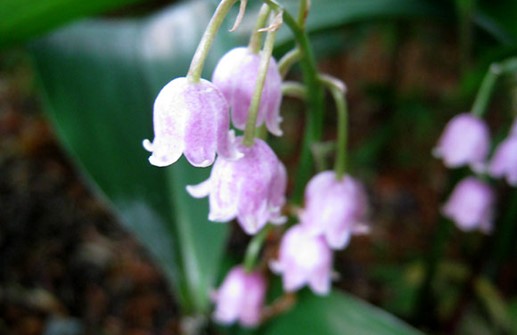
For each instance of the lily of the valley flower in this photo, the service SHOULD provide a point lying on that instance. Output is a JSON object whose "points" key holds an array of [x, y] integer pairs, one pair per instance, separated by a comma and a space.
{"points": [[251, 188], [240, 298], [304, 258], [470, 205], [334, 208], [190, 118], [236, 75], [504, 161], [465, 141]]}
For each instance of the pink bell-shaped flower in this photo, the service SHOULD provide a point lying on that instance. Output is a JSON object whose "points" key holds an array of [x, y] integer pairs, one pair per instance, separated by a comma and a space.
{"points": [[470, 205], [304, 258], [236, 76], [190, 118], [240, 298], [504, 161], [251, 188], [465, 141], [334, 208]]}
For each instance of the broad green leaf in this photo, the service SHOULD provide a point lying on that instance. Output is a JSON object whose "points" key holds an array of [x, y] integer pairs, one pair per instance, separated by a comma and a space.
{"points": [[335, 314], [22, 19]]}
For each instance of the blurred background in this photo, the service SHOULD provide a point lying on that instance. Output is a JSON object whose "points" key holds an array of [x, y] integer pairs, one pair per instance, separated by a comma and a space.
{"points": [[85, 244]]}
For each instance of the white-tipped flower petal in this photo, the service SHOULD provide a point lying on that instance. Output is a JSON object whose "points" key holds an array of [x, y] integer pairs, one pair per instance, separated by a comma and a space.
{"points": [[190, 118], [236, 76]]}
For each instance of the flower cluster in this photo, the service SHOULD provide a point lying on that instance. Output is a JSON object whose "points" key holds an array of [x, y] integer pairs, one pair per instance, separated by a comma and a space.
{"points": [[192, 116], [466, 141]]}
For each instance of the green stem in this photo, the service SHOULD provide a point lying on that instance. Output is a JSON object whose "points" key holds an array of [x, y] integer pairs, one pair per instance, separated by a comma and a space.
{"points": [[294, 89], [289, 59], [485, 91], [267, 52], [255, 40], [198, 60], [337, 89], [253, 250], [314, 121], [303, 13]]}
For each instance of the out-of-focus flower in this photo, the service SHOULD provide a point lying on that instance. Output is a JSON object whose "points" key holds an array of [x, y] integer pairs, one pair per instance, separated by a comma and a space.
{"points": [[190, 118], [251, 188], [470, 205], [334, 208], [240, 298], [465, 141], [504, 161], [304, 258], [236, 76]]}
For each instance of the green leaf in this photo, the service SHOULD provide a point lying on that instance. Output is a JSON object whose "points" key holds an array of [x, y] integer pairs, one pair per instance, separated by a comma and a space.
{"points": [[335, 314], [22, 19], [100, 79]]}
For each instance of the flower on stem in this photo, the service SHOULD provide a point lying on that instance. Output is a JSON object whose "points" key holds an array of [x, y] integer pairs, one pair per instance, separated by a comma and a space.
{"points": [[504, 161], [304, 258], [465, 141], [190, 118], [334, 208], [236, 76], [470, 205], [251, 188], [240, 298]]}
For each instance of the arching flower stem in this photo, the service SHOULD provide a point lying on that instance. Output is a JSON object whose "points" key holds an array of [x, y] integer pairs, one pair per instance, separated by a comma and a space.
{"points": [[255, 39]]}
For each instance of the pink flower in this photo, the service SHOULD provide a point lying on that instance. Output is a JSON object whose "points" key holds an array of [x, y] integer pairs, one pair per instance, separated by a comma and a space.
{"points": [[504, 161], [236, 75], [334, 208], [470, 205], [251, 188], [240, 298], [304, 258], [465, 141], [190, 118]]}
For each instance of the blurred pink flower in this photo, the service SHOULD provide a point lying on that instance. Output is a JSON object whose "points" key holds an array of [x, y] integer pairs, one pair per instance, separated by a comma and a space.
{"points": [[504, 161], [334, 208], [190, 118], [470, 205], [251, 188], [236, 75], [465, 141], [304, 258], [240, 298]]}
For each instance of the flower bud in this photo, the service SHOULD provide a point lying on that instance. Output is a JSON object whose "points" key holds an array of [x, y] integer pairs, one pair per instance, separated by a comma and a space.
{"points": [[236, 76], [190, 118], [240, 298], [334, 208], [470, 205], [251, 188], [465, 141], [304, 258]]}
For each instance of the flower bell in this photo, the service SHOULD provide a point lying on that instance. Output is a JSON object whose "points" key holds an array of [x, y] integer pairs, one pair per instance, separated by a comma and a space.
{"points": [[334, 208], [240, 298], [504, 161], [236, 75], [251, 188], [470, 205], [465, 141], [190, 118], [304, 258]]}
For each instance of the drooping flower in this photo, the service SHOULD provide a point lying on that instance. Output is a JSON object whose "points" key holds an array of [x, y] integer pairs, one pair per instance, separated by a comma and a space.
{"points": [[504, 161], [334, 208], [471, 205], [236, 75], [465, 141], [190, 118], [304, 258], [251, 188], [240, 298]]}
